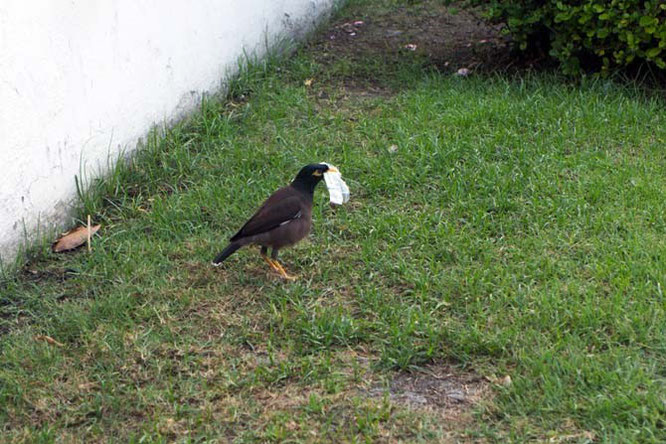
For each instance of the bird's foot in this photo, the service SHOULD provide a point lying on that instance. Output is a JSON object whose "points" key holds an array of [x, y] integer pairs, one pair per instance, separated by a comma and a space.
{"points": [[270, 263], [283, 272], [275, 265]]}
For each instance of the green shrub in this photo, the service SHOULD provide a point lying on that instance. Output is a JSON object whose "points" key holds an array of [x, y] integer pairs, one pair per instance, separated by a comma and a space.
{"points": [[586, 34]]}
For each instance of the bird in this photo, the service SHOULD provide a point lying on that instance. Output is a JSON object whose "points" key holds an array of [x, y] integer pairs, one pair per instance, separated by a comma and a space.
{"points": [[283, 219]]}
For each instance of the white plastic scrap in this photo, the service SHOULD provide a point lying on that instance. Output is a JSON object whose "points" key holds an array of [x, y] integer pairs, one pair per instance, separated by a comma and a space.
{"points": [[338, 190]]}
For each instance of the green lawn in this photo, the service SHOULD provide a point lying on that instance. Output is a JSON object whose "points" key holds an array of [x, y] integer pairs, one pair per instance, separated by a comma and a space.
{"points": [[518, 229]]}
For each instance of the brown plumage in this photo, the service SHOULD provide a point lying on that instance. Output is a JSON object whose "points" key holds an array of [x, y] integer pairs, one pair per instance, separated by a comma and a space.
{"points": [[284, 219]]}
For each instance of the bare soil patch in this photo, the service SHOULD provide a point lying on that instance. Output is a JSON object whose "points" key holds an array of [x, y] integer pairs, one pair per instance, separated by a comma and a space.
{"points": [[447, 38], [441, 389]]}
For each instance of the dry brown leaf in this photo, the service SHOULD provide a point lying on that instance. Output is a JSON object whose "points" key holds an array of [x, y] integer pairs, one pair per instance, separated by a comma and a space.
{"points": [[49, 340], [73, 238], [308, 82]]}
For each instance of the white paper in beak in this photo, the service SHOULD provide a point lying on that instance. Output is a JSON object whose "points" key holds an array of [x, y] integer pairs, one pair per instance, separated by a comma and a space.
{"points": [[338, 190]]}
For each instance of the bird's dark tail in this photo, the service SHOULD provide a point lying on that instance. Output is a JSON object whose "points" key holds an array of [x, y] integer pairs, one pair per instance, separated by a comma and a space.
{"points": [[231, 248]]}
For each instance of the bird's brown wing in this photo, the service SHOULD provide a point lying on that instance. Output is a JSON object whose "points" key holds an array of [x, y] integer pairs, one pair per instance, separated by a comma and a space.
{"points": [[280, 208]]}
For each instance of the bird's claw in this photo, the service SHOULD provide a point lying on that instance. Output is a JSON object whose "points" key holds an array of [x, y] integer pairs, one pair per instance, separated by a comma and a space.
{"points": [[283, 272], [288, 277], [270, 263], [275, 265]]}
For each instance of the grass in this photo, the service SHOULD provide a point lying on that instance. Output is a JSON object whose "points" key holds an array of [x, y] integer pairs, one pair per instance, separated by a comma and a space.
{"points": [[518, 229]]}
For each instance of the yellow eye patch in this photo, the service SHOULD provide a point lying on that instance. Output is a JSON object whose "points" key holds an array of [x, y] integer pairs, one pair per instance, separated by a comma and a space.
{"points": [[316, 173]]}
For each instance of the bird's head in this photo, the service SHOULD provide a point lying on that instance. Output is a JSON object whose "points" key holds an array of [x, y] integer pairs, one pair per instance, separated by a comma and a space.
{"points": [[310, 175]]}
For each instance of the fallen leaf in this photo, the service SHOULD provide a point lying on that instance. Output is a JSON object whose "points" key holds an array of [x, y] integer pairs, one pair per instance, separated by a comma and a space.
{"points": [[308, 82], [73, 238], [49, 340], [506, 381]]}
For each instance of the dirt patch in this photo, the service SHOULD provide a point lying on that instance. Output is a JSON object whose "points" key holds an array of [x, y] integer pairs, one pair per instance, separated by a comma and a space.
{"points": [[447, 38], [442, 389], [46, 274]]}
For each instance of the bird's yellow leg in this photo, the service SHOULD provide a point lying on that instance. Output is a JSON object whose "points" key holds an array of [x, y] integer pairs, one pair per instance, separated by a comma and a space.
{"points": [[283, 272], [270, 263]]}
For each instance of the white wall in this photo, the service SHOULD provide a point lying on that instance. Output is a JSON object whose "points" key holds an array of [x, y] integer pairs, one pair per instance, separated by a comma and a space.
{"points": [[82, 79]]}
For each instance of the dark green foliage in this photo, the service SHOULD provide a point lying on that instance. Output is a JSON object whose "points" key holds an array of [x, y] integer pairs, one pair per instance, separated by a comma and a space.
{"points": [[583, 35]]}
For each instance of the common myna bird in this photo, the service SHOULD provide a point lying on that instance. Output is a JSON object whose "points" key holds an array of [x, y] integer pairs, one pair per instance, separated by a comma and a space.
{"points": [[284, 219]]}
